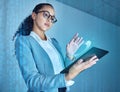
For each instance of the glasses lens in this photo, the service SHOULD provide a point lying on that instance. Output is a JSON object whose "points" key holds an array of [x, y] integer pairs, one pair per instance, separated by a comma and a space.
{"points": [[53, 19], [46, 15]]}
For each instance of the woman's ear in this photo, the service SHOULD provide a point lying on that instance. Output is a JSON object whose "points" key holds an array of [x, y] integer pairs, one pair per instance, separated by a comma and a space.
{"points": [[33, 15]]}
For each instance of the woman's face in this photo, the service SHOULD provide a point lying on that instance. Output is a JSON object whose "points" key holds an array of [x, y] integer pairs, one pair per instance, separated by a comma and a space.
{"points": [[44, 19]]}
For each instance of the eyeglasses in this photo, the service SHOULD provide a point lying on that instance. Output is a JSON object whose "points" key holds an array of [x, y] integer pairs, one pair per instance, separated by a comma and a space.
{"points": [[46, 15]]}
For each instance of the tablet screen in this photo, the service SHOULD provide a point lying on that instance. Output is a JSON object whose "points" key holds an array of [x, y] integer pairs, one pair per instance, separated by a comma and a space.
{"points": [[93, 51]]}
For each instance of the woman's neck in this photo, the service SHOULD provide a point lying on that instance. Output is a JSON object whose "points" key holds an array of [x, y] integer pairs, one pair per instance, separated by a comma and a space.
{"points": [[41, 34]]}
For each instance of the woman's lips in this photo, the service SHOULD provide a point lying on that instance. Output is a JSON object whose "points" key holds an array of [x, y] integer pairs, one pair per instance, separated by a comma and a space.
{"points": [[46, 24]]}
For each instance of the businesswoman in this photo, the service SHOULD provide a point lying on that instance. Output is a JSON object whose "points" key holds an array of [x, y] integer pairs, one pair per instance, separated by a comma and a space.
{"points": [[39, 56]]}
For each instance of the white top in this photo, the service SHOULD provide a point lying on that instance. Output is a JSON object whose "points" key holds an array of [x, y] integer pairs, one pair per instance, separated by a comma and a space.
{"points": [[52, 53]]}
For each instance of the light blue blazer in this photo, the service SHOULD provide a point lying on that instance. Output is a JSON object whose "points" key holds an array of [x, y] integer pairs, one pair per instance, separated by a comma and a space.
{"points": [[36, 67]]}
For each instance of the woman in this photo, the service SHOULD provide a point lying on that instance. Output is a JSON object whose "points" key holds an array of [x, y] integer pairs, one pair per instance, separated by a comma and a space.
{"points": [[39, 56]]}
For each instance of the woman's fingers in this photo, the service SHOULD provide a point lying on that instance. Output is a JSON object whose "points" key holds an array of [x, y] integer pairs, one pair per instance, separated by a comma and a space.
{"points": [[79, 40], [94, 57], [80, 66], [79, 61], [74, 38], [90, 62]]}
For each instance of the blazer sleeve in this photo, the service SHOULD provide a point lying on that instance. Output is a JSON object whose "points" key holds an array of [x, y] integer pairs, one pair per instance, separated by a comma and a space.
{"points": [[35, 81]]}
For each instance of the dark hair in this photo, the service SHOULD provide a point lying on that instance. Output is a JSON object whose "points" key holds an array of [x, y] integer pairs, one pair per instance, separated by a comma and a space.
{"points": [[26, 26]]}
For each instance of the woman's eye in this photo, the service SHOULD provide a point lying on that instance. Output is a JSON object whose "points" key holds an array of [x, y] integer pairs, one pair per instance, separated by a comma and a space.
{"points": [[52, 18], [46, 15]]}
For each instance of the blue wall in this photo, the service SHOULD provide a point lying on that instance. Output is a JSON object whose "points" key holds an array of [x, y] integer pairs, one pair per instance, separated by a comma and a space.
{"points": [[103, 77]]}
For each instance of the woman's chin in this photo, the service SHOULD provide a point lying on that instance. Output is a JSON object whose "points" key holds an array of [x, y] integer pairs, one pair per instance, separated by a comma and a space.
{"points": [[45, 29]]}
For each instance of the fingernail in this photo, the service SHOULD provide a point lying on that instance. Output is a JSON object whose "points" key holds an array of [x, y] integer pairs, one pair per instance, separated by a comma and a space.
{"points": [[77, 34], [94, 62]]}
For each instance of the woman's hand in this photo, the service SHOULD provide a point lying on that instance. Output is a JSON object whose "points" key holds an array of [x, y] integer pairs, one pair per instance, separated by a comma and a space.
{"points": [[73, 45], [79, 67]]}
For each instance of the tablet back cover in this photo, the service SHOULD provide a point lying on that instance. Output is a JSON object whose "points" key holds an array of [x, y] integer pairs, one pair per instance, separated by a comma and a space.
{"points": [[93, 51]]}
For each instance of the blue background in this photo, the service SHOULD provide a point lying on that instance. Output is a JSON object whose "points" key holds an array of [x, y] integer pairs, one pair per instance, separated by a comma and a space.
{"points": [[103, 77]]}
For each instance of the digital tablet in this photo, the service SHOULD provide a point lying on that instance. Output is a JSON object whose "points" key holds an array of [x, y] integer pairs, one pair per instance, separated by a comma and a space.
{"points": [[93, 51]]}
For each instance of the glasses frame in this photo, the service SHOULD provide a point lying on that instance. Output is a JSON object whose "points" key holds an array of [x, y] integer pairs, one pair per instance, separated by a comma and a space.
{"points": [[50, 16]]}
